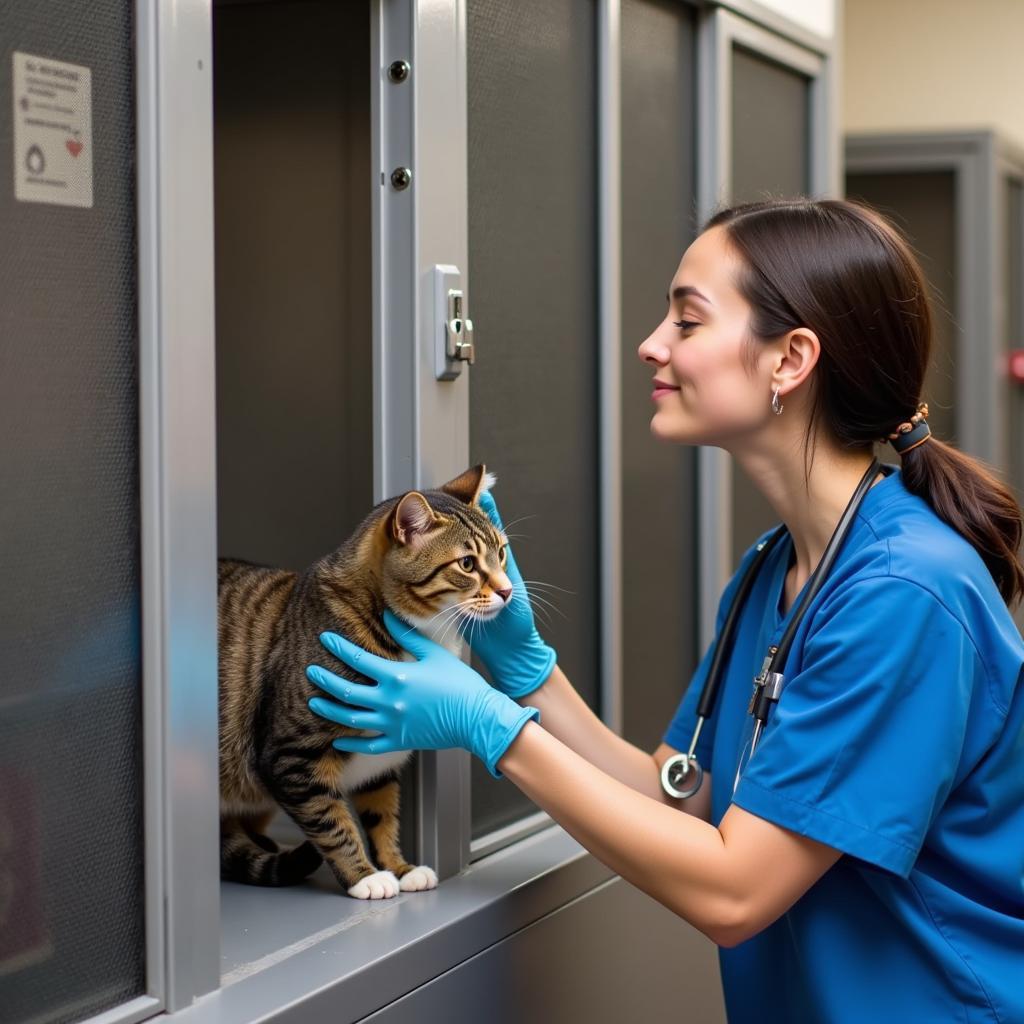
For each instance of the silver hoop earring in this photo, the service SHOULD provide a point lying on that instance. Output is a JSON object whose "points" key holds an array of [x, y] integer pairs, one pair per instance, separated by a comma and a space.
{"points": [[777, 407]]}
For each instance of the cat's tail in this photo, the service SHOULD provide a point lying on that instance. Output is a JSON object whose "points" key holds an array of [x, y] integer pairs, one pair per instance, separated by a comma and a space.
{"points": [[256, 860]]}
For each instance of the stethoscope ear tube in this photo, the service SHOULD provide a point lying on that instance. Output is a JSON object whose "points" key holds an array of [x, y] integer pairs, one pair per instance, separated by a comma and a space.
{"points": [[709, 694], [681, 774], [771, 679]]}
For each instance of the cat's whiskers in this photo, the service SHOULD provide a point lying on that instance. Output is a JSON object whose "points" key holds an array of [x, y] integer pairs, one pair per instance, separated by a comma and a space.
{"points": [[425, 625], [509, 525], [452, 615], [472, 620], [453, 622], [551, 586], [459, 613], [527, 600], [539, 614], [542, 599]]}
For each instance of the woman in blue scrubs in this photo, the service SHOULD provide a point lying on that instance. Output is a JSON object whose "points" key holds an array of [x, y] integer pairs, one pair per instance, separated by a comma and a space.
{"points": [[869, 863]]}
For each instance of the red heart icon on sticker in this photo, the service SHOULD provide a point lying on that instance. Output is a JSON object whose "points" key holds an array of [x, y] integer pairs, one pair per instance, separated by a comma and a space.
{"points": [[74, 148]]}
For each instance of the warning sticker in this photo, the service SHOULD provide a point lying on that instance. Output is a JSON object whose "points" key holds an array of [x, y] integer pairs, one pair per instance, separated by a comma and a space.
{"points": [[52, 131]]}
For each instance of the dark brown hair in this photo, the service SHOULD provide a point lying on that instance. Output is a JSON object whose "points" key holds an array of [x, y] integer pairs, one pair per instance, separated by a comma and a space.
{"points": [[842, 270]]}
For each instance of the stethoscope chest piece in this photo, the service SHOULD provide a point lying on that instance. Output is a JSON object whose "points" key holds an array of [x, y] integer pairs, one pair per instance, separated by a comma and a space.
{"points": [[681, 776]]}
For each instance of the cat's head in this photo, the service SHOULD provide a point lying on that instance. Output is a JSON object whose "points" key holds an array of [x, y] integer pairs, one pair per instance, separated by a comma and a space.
{"points": [[444, 566]]}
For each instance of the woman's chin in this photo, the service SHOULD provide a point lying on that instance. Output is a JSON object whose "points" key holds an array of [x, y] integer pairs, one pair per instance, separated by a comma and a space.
{"points": [[669, 429]]}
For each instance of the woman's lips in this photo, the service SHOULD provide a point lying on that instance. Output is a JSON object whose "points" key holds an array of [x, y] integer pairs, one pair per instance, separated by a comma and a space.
{"points": [[661, 389]]}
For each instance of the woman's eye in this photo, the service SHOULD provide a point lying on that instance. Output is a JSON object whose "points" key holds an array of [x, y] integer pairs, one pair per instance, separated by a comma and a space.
{"points": [[686, 325], [467, 562]]}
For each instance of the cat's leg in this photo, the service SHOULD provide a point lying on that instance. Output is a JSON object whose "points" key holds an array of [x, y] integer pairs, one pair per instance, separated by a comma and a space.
{"points": [[331, 827], [311, 797], [377, 804]]}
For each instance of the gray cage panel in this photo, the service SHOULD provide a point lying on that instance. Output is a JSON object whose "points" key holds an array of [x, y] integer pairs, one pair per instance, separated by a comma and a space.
{"points": [[770, 128], [532, 102], [658, 479], [770, 155], [73, 941]]}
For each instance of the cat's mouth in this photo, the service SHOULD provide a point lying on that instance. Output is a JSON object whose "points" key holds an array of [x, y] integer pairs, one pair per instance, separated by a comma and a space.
{"points": [[485, 608], [486, 614]]}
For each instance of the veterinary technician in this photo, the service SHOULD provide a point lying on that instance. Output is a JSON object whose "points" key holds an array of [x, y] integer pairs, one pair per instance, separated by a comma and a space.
{"points": [[864, 861]]}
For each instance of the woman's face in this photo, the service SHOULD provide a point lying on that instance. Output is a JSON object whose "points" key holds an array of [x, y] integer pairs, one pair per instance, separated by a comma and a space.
{"points": [[702, 392]]}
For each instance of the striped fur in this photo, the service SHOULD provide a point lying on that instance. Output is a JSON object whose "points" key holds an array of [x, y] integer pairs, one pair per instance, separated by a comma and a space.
{"points": [[419, 554]]}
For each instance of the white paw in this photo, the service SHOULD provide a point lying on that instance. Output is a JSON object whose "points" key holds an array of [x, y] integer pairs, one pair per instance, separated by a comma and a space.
{"points": [[419, 879], [381, 885]]}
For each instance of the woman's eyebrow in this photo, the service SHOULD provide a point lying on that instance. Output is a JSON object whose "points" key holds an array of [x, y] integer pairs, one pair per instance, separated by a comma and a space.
{"points": [[682, 291]]}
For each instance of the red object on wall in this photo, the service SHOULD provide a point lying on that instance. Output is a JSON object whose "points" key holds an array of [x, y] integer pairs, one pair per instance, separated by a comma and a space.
{"points": [[1015, 365]]}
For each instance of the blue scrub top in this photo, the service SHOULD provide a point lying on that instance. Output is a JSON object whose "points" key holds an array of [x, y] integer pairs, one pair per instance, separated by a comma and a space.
{"points": [[898, 740]]}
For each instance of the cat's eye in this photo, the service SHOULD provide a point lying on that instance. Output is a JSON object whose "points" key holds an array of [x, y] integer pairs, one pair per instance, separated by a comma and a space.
{"points": [[503, 554], [467, 562]]}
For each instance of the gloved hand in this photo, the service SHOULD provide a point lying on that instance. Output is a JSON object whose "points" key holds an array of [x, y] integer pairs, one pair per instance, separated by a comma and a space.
{"points": [[434, 703], [509, 645]]}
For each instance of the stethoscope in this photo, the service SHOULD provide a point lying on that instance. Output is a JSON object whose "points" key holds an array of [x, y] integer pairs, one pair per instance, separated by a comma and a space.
{"points": [[769, 681]]}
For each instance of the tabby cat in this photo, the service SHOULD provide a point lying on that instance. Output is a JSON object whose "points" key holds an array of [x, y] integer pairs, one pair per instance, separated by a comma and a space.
{"points": [[437, 561]]}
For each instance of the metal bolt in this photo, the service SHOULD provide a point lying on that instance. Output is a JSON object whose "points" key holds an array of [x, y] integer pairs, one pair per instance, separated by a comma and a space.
{"points": [[400, 178], [398, 71]]}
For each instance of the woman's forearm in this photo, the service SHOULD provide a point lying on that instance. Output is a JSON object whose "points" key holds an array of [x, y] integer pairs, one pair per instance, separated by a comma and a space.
{"points": [[565, 714], [675, 858], [730, 881]]}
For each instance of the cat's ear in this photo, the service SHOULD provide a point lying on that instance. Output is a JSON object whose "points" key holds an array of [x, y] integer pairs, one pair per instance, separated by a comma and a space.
{"points": [[412, 517], [468, 486]]}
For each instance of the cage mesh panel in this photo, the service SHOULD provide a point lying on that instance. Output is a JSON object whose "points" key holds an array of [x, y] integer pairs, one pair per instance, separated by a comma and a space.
{"points": [[770, 156], [658, 480], [71, 844], [531, 85]]}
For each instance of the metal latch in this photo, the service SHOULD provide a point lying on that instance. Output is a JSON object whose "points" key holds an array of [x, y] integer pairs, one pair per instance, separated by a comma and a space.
{"points": [[453, 330], [459, 330]]}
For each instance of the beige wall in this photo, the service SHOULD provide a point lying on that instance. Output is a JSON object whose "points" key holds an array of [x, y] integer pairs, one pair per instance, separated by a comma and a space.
{"points": [[817, 15], [930, 64]]}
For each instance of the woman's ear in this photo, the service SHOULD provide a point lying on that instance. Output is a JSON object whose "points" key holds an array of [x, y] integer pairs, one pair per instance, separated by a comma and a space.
{"points": [[467, 486], [796, 358], [412, 518]]}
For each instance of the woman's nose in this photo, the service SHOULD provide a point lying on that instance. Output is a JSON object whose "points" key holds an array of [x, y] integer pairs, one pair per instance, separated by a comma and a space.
{"points": [[652, 350]]}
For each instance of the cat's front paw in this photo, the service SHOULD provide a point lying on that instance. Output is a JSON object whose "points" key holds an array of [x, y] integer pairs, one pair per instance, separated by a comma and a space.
{"points": [[381, 885], [419, 879]]}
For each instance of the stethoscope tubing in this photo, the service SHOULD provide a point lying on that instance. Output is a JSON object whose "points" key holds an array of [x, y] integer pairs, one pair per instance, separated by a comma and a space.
{"points": [[769, 681]]}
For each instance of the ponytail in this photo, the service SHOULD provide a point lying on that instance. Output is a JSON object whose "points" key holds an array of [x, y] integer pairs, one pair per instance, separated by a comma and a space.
{"points": [[967, 495]]}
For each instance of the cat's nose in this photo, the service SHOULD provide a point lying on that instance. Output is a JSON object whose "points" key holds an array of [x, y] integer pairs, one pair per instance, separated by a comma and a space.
{"points": [[505, 595]]}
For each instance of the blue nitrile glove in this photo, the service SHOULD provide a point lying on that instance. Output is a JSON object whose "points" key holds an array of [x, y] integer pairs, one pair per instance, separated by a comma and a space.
{"points": [[509, 645], [433, 703]]}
